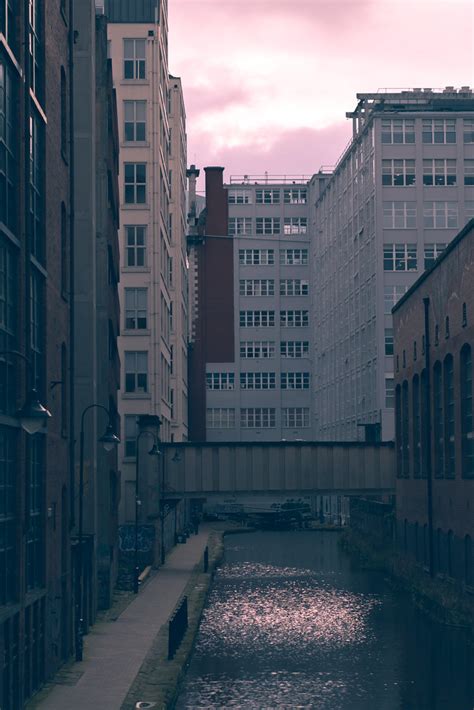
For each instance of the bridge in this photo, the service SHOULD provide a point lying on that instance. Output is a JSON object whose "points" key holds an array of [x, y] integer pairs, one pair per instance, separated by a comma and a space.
{"points": [[291, 468]]}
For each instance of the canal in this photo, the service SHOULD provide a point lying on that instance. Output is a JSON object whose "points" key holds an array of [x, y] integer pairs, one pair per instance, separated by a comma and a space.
{"points": [[293, 622]]}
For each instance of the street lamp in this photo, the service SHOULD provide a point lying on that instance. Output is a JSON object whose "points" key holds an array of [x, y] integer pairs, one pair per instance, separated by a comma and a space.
{"points": [[32, 415], [154, 451], [109, 439]]}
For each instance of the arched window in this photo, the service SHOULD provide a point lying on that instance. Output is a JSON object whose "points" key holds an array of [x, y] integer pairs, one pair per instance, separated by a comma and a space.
{"points": [[405, 432], [398, 429], [467, 433], [446, 327], [424, 421], [416, 422], [438, 420], [449, 423], [464, 315], [468, 561]]}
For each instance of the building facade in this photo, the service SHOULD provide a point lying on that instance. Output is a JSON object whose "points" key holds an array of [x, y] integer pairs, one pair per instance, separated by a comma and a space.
{"points": [[150, 240], [434, 340], [255, 310], [398, 195], [36, 483]]}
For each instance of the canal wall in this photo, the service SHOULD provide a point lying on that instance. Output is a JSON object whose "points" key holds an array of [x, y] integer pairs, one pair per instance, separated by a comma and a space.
{"points": [[379, 543], [158, 680]]}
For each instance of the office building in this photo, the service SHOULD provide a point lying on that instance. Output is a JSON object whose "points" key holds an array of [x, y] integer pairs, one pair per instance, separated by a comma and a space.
{"points": [[396, 198]]}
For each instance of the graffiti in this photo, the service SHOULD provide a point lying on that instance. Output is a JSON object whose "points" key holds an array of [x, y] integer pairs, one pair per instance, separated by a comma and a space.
{"points": [[145, 538]]}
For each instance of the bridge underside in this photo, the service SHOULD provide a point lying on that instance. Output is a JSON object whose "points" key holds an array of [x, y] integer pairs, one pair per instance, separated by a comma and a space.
{"points": [[296, 469]]}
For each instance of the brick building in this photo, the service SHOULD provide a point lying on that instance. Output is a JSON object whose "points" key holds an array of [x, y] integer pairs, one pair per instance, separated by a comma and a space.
{"points": [[35, 480], [434, 413]]}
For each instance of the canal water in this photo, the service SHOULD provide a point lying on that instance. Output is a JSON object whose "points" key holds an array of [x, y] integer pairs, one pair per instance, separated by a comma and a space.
{"points": [[292, 622]]}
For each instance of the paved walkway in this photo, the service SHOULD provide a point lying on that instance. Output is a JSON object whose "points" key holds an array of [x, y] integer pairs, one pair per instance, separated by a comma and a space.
{"points": [[114, 651]]}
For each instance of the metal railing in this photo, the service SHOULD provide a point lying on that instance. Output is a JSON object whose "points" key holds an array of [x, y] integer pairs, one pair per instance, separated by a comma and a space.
{"points": [[267, 179], [177, 627]]}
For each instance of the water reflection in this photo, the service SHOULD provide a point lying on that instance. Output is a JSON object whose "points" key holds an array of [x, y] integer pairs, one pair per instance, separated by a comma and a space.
{"points": [[292, 624]]}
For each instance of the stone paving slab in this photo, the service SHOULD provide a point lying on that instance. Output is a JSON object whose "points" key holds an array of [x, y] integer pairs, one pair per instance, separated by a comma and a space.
{"points": [[114, 651]]}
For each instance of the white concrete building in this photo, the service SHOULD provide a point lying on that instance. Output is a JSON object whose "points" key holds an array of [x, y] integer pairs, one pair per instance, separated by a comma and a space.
{"points": [[266, 393], [399, 193], [151, 241]]}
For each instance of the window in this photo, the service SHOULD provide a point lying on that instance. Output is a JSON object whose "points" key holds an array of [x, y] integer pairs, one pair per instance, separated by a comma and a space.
{"points": [[37, 195], [439, 172], [398, 131], [399, 257], [35, 532], [130, 435], [294, 319], [469, 172], [64, 113], [405, 436], [37, 326], [432, 251], [219, 380], [239, 197], [295, 196], [220, 418], [257, 319], [36, 53], [294, 348], [136, 371], [398, 172], [254, 349], [268, 225], [440, 215], [8, 325], [399, 215], [8, 148], [7, 22], [439, 130], [295, 225], [267, 197], [469, 207], [416, 424], [135, 246], [449, 424], [257, 380], [294, 380], [467, 429], [64, 252], [388, 341], [464, 315], [468, 130], [8, 477], [295, 417], [136, 308], [240, 226], [293, 257], [134, 117], [293, 287], [135, 183], [392, 294], [438, 420], [258, 418], [134, 59], [256, 257], [389, 392], [257, 287]]}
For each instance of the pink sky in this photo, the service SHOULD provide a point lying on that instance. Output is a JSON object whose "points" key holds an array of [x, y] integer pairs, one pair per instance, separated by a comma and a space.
{"points": [[267, 82]]}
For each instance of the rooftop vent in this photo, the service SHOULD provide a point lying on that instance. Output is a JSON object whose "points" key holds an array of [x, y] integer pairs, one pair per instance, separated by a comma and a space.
{"points": [[465, 88], [428, 90], [448, 90]]}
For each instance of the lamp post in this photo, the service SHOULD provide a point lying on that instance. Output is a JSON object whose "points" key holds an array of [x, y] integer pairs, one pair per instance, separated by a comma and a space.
{"points": [[109, 439], [32, 415], [154, 451]]}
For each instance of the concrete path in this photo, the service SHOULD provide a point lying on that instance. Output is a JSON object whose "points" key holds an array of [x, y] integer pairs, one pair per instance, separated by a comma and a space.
{"points": [[114, 651]]}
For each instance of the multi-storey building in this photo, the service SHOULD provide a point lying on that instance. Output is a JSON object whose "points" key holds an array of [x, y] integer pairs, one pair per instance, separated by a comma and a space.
{"points": [[179, 286], [396, 198], [138, 46], [261, 389], [434, 340], [36, 483]]}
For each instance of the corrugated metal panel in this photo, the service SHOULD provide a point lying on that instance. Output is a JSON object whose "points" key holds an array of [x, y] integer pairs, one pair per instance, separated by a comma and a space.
{"points": [[135, 11]]}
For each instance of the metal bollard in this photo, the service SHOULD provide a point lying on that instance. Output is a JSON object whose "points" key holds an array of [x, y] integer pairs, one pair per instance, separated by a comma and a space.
{"points": [[206, 559]]}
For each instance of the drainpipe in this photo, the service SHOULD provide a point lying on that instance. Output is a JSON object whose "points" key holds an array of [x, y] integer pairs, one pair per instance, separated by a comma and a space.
{"points": [[427, 415], [72, 427]]}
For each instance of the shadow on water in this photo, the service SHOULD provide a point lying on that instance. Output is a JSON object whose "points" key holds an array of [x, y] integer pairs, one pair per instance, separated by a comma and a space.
{"points": [[292, 622]]}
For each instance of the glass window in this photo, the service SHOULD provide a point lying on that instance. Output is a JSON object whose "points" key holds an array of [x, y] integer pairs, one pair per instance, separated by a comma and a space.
{"points": [[240, 226], [467, 428], [37, 194], [293, 257], [295, 196], [294, 380], [268, 225], [134, 121], [294, 287], [294, 319], [136, 371], [398, 131], [220, 418], [35, 527], [388, 341], [439, 131], [389, 392], [136, 308], [134, 59], [267, 197], [9, 285], [469, 172], [135, 246], [8, 477], [441, 172], [295, 417], [392, 294], [130, 435], [432, 251], [294, 348], [449, 425], [399, 215], [438, 420], [416, 423], [258, 418], [220, 380], [399, 257], [256, 257], [135, 183], [257, 287], [468, 130], [440, 215], [398, 172], [257, 349], [295, 225], [257, 380], [8, 149], [239, 197], [257, 319]]}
